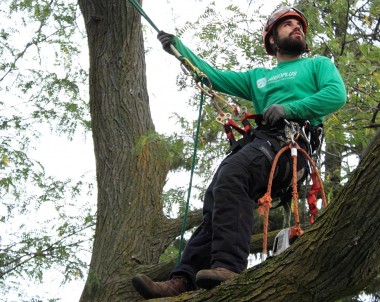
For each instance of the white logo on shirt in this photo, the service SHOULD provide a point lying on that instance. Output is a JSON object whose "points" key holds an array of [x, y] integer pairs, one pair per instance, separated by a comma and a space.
{"points": [[283, 76], [260, 83]]}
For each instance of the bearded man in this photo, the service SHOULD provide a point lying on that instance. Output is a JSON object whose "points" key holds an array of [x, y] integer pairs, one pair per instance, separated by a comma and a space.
{"points": [[298, 89]]}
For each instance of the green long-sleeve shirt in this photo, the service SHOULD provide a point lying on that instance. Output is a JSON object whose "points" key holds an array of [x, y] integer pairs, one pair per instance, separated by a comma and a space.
{"points": [[307, 88]]}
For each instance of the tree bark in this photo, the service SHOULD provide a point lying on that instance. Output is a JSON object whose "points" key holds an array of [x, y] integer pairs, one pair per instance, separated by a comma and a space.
{"points": [[333, 166], [132, 161]]}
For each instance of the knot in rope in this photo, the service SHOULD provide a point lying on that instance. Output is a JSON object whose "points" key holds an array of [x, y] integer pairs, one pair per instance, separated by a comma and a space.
{"points": [[265, 203]]}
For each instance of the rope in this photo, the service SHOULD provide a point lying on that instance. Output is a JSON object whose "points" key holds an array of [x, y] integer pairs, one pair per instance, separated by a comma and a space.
{"points": [[191, 179], [138, 7], [200, 77], [190, 68], [266, 201]]}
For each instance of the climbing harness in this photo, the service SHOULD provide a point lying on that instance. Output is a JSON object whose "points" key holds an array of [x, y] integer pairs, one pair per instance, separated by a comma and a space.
{"points": [[293, 132]]}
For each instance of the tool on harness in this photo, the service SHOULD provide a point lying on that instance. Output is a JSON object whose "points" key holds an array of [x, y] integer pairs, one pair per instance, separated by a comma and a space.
{"points": [[226, 120], [281, 241], [293, 132]]}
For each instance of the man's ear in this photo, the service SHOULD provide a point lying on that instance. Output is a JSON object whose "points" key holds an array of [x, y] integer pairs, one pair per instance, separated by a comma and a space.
{"points": [[271, 40]]}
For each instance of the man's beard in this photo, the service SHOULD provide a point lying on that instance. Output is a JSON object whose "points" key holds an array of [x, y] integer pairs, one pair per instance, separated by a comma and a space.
{"points": [[291, 44]]}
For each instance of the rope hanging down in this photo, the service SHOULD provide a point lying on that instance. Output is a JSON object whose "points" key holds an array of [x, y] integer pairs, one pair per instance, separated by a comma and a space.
{"points": [[202, 79], [191, 179]]}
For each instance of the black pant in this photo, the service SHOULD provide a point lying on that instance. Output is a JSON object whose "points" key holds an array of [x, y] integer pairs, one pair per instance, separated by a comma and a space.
{"points": [[224, 236]]}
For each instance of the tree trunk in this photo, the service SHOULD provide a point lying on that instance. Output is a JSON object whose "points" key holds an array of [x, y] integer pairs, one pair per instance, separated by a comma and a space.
{"points": [[333, 166], [132, 161]]}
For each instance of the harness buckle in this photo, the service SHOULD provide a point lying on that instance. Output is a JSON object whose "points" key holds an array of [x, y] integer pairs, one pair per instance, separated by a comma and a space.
{"points": [[223, 117]]}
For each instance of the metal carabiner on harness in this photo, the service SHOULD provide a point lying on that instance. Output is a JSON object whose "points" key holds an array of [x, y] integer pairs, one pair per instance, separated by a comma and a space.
{"points": [[292, 132]]}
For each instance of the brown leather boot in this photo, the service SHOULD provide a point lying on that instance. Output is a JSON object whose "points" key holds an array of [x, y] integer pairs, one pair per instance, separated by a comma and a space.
{"points": [[150, 289], [209, 278]]}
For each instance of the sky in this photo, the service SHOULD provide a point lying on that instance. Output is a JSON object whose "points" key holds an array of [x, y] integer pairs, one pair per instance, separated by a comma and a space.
{"points": [[71, 159]]}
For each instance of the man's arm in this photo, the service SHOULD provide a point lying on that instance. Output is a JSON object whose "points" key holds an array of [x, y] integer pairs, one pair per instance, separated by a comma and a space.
{"points": [[226, 81], [330, 97]]}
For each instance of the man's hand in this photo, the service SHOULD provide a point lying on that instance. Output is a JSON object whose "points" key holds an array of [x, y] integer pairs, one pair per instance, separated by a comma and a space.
{"points": [[166, 40], [273, 114]]}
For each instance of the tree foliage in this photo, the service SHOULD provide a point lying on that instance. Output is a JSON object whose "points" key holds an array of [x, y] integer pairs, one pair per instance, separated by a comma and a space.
{"points": [[42, 228]]}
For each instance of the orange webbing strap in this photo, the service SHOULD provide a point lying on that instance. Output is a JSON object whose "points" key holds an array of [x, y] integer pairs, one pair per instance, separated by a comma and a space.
{"points": [[265, 202]]}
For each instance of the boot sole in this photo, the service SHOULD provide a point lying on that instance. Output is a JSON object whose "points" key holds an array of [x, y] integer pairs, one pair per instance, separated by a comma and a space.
{"points": [[207, 283]]}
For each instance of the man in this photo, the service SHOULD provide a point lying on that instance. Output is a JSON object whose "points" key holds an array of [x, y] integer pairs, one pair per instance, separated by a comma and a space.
{"points": [[297, 89]]}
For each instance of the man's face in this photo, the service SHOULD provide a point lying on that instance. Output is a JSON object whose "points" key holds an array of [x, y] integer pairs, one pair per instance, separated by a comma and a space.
{"points": [[290, 36]]}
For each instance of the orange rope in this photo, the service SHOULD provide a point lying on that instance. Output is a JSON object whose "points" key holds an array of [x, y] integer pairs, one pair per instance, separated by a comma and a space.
{"points": [[264, 210], [265, 202]]}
